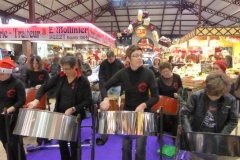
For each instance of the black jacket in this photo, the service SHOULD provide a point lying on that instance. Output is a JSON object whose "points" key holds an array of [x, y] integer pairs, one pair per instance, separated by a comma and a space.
{"points": [[192, 116], [82, 95]]}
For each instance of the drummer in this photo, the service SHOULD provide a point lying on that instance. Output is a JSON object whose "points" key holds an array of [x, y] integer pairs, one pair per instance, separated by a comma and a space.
{"points": [[135, 81], [73, 95], [170, 85], [12, 96], [211, 109]]}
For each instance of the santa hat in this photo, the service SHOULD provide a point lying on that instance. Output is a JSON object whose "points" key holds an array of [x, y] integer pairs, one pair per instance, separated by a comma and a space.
{"points": [[6, 66], [222, 64]]}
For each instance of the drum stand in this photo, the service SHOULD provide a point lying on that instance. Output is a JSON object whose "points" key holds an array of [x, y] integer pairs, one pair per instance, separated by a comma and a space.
{"points": [[160, 116], [8, 144]]}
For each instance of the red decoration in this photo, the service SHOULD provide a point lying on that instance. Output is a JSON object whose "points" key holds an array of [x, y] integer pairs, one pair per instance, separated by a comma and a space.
{"points": [[151, 27], [145, 14]]}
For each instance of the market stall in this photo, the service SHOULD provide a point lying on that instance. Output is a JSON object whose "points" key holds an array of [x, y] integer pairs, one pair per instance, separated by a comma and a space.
{"points": [[74, 33]]}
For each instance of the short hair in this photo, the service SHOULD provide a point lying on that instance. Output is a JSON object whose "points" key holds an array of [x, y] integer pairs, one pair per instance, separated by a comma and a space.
{"points": [[68, 59], [131, 49], [217, 84], [110, 54], [164, 65], [39, 61]]}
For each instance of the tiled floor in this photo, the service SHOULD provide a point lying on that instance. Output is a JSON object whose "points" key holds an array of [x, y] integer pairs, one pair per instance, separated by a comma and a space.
{"points": [[31, 140]]}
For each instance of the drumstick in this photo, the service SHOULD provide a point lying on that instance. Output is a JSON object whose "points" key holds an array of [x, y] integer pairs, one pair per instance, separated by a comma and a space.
{"points": [[119, 101]]}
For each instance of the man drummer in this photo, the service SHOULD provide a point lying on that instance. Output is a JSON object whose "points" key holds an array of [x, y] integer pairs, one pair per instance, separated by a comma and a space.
{"points": [[135, 80], [73, 95], [12, 96], [212, 110]]}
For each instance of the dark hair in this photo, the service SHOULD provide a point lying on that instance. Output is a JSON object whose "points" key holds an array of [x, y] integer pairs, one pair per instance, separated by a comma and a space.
{"points": [[69, 59], [39, 61], [110, 54], [78, 54], [217, 84], [56, 59], [164, 65], [131, 49], [170, 58]]}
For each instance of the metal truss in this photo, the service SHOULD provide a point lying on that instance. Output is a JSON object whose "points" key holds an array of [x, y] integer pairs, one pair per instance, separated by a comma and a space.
{"points": [[211, 11], [101, 9], [16, 8], [236, 2], [60, 10], [149, 3]]}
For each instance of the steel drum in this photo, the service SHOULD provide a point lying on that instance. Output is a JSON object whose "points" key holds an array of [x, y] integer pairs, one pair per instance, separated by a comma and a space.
{"points": [[46, 124], [127, 123], [210, 143], [170, 105], [30, 96]]}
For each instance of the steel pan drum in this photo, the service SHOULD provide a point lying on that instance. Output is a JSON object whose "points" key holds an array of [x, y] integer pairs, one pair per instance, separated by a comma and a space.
{"points": [[46, 124], [210, 143], [170, 105], [126, 123], [30, 96]]}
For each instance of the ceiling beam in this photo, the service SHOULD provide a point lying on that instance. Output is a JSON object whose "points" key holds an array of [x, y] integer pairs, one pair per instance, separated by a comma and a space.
{"points": [[163, 13], [19, 18], [236, 2], [151, 3], [17, 7], [73, 11], [60, 10], [211, 11], [96, 10]]}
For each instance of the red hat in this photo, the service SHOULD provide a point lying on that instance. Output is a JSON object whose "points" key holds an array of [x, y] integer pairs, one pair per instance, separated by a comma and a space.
{"points": [[222, 64], [6, 65]]}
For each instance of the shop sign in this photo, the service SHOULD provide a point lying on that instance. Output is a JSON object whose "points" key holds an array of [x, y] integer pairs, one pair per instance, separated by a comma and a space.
{"points": [[141, 31], [54, 32]]}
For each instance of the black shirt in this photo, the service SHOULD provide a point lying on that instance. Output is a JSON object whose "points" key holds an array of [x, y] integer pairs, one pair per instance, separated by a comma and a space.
{"points": [[107, 70], [35, 78], [66, 95], [136, 85]]}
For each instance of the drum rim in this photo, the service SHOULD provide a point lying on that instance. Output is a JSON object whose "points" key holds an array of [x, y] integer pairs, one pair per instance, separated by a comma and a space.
{"points": [[47, 112]]}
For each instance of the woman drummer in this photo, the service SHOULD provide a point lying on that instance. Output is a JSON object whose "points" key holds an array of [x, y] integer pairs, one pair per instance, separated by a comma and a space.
{"points": [[170, 85], [12, 96], [73, 95], [136, 80]]}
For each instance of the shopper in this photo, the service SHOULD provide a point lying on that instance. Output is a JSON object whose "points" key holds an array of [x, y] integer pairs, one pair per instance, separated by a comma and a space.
{"points": [[136, 81], [155, 66], [86, 69]]}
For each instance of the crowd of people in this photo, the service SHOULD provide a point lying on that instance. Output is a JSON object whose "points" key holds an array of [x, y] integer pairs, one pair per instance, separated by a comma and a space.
{"points": [[212, 109]]}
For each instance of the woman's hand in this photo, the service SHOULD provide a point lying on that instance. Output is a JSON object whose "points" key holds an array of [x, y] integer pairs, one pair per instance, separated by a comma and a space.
{"points": [[9, 110], [105, 104], [70, 111], [176, 95], [37, 86], [141, 107], [33, 104]]}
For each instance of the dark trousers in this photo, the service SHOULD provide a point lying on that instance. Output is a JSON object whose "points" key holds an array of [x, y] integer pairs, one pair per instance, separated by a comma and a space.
{"points": [[140, 149], [67, 154], [15, 141], [170, 124]]}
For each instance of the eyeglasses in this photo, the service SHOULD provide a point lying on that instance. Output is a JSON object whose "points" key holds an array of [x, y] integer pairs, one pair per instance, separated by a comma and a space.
{"points": [[137, 56]]}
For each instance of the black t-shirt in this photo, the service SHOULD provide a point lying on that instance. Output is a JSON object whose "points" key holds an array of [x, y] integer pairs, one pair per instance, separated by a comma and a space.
{"points": [[209, 122], [166, 90], [136, 85], [66, 95], [36, 78]]}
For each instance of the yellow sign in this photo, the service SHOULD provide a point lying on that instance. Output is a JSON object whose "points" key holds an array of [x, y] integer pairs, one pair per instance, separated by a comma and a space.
{"points": [[141, 31]]}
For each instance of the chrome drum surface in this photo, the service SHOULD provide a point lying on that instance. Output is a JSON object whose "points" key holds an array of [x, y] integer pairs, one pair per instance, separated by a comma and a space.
{"points": [[46, 124], [127, 123]]}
